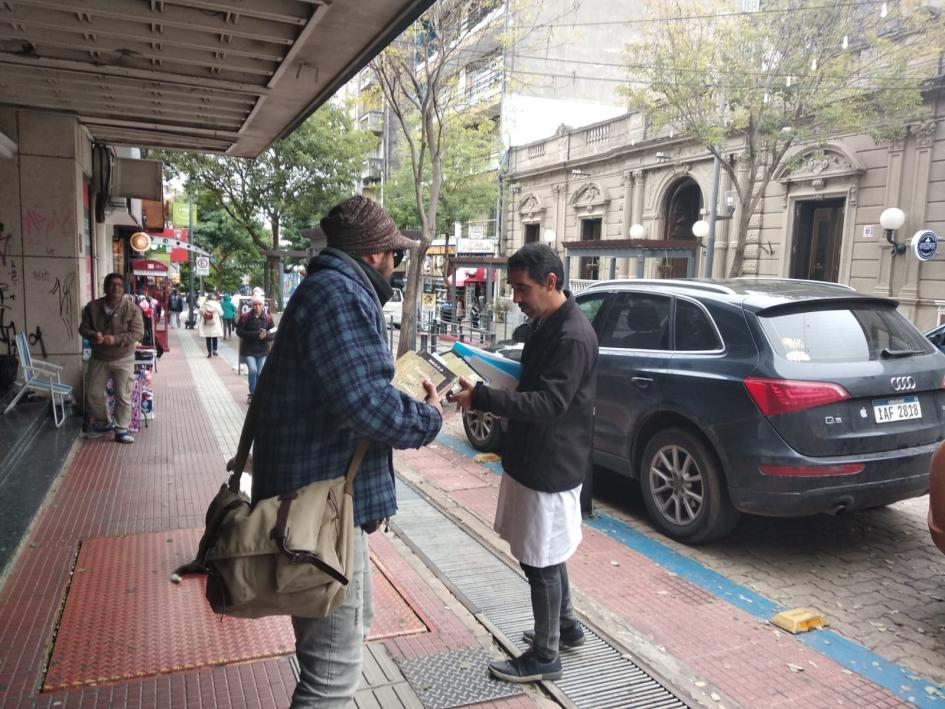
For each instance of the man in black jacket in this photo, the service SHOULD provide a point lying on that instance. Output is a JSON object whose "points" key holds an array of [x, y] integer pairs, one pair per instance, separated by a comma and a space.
{"points": [[547, 454]]}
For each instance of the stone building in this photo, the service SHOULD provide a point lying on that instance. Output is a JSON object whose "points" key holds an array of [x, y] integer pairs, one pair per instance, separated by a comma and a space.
{"points": [[818, 220]]}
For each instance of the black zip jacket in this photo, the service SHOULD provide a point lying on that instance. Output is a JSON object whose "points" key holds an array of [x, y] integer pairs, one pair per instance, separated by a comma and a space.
{"points": [[551, 416], [247, 329]]}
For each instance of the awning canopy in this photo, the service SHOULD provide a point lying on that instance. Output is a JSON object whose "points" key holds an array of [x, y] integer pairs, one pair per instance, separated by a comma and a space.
{"points": [[146, 267], [469, 275], [200, 75]]}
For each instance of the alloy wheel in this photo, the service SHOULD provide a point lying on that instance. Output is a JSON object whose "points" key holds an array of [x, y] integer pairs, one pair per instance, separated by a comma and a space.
{"points": [[480, 423], [677, 485]]}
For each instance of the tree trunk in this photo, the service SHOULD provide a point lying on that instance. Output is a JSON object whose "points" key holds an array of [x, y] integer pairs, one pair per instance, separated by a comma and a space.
{"points": [[744, 218], [408, 318]]}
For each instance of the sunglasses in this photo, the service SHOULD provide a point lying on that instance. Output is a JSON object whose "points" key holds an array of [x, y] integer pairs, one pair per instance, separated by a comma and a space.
{"points": [[398, 257]]}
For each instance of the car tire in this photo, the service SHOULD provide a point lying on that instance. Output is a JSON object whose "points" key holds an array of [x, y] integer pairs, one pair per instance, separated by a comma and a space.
{"points": [[683, 488], [483, 430]]}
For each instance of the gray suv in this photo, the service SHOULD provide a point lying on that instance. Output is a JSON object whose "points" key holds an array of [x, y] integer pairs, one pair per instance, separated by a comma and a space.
{"points": [[769, 397]]}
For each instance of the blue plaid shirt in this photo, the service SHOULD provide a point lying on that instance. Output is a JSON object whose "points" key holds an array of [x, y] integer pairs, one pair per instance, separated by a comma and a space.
{"points": [[328, 387]]}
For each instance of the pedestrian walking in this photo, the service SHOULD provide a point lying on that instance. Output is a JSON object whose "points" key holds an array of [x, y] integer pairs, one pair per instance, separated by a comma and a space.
{"points": [[175, 307], [325, 388], [229, 316], [254, 330], [546, 456], [210, 325], [114, 325]]}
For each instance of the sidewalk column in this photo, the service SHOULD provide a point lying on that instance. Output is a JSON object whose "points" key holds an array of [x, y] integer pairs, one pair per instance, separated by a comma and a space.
{"points": [[639, 182]]}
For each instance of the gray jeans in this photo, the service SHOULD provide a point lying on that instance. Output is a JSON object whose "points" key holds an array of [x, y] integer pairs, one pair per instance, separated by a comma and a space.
{"points": [[329, 649], [551, 607]]}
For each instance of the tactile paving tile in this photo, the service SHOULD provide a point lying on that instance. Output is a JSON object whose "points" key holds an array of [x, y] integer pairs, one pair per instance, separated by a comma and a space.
{"points": [[123, 617], [455, 679]]}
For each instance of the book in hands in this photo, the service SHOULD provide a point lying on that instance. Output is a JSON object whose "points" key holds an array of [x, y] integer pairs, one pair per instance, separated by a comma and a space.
{"points": [[413, 367], [498, 371]]}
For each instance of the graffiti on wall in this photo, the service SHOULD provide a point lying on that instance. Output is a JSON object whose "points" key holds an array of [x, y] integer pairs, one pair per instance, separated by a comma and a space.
{"points": [[8, 329], [66, 303], [49, 225]]}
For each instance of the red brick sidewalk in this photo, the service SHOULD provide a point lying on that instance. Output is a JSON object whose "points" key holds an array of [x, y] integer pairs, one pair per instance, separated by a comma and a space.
{"points": [[163, 482], [714, 640]]}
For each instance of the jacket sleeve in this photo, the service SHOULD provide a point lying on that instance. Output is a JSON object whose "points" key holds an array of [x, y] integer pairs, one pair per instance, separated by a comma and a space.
{"points": [[241, 330], [135, 330], [353, 369], [556, 388], [86, 326]]}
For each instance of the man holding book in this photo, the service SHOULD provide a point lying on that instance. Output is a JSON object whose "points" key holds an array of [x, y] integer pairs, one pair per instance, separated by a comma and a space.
{"points": [[326, 387], [547, 453]]}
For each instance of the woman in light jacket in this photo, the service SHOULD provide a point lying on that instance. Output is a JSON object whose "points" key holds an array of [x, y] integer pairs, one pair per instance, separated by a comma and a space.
{"points": [[210, 323]]}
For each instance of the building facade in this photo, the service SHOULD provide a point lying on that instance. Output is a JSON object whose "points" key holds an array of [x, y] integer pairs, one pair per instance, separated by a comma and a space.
{"points": [[817, 220]]}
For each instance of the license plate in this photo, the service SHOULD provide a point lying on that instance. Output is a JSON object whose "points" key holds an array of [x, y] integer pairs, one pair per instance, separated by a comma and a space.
{"points": [[887, 410]]}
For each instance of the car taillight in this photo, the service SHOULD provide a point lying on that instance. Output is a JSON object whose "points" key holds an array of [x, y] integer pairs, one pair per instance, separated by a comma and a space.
{"points": [[809, 471], [784, 396]]}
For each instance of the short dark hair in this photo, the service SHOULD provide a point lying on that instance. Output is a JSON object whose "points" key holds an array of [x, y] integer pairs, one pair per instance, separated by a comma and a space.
{"points": [[538, 260], [112, 276]]}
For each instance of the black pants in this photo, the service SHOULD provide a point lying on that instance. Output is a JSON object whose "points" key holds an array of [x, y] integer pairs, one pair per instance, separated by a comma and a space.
{"points": [[212, 344], [228, 326]]}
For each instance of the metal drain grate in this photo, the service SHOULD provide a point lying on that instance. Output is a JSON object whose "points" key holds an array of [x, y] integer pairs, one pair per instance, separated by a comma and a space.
{"points": [[596, 675]]}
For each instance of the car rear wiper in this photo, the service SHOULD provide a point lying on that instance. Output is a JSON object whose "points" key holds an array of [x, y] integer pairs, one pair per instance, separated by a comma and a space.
{"points": [[891, 354]]}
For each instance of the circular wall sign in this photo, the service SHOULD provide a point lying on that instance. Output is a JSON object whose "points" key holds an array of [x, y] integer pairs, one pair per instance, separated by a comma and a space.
{"points": [[140, 241], [925, 244]]}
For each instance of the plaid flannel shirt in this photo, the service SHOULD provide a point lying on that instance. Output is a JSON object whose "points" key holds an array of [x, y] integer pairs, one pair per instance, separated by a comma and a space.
{"points": [[328, 387]]}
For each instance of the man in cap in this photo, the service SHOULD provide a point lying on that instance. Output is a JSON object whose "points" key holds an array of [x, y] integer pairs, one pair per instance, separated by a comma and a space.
{"points": [[326, 387]]}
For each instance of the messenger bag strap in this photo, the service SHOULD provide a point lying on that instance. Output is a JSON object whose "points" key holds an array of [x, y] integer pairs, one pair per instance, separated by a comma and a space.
{"points": [[353, 466]]}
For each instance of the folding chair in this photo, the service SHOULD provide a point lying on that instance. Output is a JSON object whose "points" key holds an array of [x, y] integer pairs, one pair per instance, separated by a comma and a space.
{"points": [[43, 378]]}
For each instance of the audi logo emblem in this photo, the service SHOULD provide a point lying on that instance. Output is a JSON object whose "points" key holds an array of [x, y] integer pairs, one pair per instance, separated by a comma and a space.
{"points": [[902, 383]]}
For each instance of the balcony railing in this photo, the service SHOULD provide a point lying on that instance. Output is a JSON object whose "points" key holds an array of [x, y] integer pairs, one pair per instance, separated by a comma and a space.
{"points": [[597, 134], [373, 169], [372, 121]]}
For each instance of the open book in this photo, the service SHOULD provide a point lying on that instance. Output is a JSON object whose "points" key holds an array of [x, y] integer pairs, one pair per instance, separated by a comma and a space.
{"points": [[413, 367]]}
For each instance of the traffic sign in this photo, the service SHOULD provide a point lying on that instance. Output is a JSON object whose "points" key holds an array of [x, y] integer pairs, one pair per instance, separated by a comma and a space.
{"points": [[201, 266]]}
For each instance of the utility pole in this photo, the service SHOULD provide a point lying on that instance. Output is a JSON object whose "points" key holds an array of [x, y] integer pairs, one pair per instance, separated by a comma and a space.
{"points": [[191, 316], [714, 204]]}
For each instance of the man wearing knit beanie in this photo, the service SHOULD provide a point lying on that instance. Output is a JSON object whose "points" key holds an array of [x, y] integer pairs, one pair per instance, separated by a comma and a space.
{"points": [[325, 388]]}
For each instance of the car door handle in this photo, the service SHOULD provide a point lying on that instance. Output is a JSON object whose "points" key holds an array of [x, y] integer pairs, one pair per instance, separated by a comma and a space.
{"points": [[641, 382]]}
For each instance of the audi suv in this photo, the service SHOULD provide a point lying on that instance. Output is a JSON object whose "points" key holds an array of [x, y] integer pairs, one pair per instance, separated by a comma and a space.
{"points": [[761, 396]]}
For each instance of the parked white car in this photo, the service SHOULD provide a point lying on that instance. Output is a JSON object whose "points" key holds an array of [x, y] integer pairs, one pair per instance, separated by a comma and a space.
{"points": [[394, 308]]}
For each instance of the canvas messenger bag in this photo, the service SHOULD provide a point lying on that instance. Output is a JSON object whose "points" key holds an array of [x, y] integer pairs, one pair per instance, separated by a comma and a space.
{"points": [[289, 555]]}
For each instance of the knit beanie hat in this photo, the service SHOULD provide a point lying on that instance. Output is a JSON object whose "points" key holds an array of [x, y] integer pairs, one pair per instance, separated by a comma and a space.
{"points": [[360, 226]]}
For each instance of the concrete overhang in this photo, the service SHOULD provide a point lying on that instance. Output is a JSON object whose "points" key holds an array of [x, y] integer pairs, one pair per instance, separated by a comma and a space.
{"points": [[203, 75]]}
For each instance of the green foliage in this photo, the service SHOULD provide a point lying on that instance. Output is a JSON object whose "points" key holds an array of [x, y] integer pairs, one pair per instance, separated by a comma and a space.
{"points": [[231, 248], [795, 72], [294, 182], [469, 188]]}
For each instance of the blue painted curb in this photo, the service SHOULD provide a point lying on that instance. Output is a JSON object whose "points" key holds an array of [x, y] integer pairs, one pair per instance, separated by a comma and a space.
{"points": [[896, 679]]}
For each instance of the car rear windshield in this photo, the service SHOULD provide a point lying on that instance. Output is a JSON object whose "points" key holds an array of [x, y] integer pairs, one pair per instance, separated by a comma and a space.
{"points": [[854, 334]]}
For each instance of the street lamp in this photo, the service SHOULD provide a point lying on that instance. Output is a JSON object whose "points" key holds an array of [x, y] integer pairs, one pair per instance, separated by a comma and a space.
{"points": [[892, 219], [637, 231], [700, 229]]}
